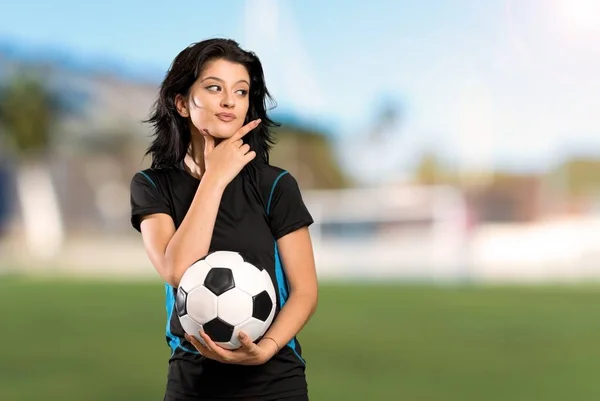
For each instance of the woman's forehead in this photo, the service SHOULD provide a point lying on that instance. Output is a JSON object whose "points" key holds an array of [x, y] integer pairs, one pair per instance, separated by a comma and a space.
{"points": [[224, 70]]}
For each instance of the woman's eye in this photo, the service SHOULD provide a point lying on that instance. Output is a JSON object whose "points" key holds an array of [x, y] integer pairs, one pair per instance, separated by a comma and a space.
{"points": [[217, 88]]}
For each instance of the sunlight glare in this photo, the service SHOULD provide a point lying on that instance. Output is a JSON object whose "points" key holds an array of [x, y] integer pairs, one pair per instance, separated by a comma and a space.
{"points": [[580, 15]]}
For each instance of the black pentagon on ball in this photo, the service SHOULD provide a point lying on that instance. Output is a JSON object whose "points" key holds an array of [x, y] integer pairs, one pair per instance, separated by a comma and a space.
{"points": [[218, 280], [261, 306], [181, 302], [218, 330]]}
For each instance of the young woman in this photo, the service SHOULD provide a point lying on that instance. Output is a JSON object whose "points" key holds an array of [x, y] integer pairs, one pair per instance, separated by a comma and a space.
{"points": [[211, 187]]}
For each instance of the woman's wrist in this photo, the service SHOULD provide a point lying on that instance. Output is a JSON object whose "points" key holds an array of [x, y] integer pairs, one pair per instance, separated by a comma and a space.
{"points": [[213, 181], [270, 347]]}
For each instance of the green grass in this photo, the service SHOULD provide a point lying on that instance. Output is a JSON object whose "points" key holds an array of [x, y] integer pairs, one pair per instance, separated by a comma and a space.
{"points": [[89, 340]]}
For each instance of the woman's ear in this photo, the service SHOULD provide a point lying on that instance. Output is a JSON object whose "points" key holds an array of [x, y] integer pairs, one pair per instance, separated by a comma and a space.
{"points": [[181, 105]]}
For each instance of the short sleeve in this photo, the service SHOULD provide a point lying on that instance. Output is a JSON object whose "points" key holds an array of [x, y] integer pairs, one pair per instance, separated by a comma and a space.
{"points": [[146, 198], [286, 209]]}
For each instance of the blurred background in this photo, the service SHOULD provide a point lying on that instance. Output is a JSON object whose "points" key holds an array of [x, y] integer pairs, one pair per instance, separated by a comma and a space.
{"points": [[449, 152]]}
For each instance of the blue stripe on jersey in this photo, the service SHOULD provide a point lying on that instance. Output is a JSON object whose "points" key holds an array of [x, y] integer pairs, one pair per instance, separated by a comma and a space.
{"points": [[273, 190], [148, 178], [283, 287], [170, 303], [282, 283], [174, 341]]}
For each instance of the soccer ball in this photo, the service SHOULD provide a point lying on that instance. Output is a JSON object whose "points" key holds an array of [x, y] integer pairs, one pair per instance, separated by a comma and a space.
{"points": [[224, 294]]}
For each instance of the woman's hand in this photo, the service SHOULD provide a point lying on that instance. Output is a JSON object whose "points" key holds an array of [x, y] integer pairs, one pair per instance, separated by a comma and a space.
{"points": [[225, 160], [248, 354]]}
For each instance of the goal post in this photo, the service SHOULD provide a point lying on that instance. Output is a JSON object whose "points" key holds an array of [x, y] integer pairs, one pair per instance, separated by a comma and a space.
{"points": [[407, 232]]}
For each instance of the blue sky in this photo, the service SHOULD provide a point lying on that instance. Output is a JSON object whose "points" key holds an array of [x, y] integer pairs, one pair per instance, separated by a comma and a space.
{"points": [[505, 82]]}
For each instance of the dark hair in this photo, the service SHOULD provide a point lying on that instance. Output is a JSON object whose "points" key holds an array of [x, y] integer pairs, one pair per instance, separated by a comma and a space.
{"points": [[171, 130]]}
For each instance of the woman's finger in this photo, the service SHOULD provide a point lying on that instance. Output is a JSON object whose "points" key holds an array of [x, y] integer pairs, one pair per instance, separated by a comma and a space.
{"points": [[197, 344], [245, 129], [245, 148], [245, 341], [214, 348], [202, 349]]}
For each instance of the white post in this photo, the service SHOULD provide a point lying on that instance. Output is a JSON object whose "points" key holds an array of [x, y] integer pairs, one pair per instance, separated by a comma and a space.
{"points": [[40, 209]]}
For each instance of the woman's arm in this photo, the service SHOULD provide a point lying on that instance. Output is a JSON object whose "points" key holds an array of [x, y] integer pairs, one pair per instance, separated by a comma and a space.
{"points": [[298, 261], [173, 251]]}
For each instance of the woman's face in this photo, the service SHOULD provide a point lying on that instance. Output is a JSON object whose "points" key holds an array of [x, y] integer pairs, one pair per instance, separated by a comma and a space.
{"points": [[218, 100]]}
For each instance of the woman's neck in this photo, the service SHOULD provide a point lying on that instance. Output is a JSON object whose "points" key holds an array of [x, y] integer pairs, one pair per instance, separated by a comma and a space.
{"points": [[194, 159]]}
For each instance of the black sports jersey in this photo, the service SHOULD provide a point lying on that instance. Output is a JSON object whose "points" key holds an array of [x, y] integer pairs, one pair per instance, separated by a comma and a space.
{"points": [[261, 205]]}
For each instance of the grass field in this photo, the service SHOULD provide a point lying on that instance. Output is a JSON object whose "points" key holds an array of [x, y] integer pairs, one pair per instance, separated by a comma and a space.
{"points": [[103, 341]]}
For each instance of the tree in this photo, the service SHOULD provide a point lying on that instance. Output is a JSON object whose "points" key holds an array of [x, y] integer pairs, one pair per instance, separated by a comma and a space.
{"points": [[429, 170], [579, 176], [28, 112], [308, 154]]}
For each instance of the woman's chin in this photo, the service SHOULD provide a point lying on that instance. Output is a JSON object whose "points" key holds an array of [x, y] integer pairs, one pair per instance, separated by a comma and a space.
{"points": [[219, 136], [223, 134]]}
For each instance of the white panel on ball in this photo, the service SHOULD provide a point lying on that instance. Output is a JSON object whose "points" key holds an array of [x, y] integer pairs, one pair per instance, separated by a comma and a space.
{"points": [[234, 306], [191, 327], [201, 305], [248, 278], [254, 328], [224, 259], [194, 275]]}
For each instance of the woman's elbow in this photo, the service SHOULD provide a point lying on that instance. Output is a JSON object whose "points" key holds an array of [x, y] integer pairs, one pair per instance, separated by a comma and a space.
{"points": [[168, 271], [169, 277], [174, 275], [313, 306], [173, 281]]}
